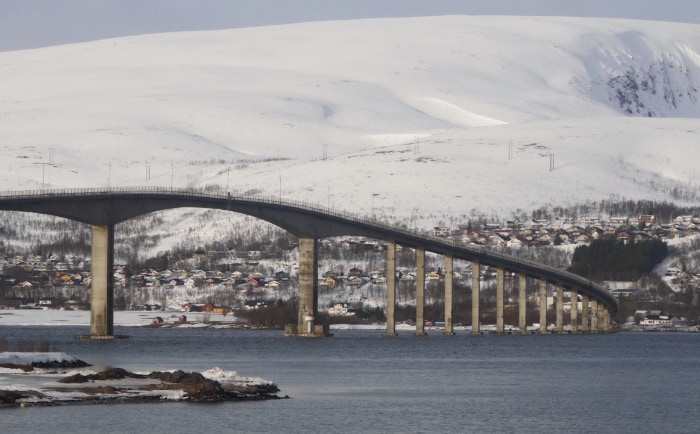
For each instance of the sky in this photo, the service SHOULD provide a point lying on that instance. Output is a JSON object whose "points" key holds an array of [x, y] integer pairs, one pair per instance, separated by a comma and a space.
{"points": [[38, 23]]}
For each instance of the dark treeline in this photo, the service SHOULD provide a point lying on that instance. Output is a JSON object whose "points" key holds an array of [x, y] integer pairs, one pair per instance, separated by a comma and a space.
{"points": [[610, 259], [663, 211]]}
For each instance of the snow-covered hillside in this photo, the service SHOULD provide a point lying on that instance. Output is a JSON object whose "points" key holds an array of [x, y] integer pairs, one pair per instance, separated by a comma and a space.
{"points": [[429, 119]]}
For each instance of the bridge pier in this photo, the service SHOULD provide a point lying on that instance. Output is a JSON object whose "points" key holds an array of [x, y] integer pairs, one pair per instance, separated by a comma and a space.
{"points": [[543, 306], [449, 263], [476, 284], [308, 293], [499, 299], [594, 316], [606, 320], [102, 285], [420, 291], [560, 309], [584, 314], [522, 303], [390, 288], [573, 296]]}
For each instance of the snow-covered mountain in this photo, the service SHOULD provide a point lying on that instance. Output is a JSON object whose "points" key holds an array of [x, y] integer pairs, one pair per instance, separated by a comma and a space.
{"points": [[429, 119]]}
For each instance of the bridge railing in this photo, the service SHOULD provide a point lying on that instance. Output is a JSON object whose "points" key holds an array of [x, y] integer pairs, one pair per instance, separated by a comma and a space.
{"points": [[369, 222]]}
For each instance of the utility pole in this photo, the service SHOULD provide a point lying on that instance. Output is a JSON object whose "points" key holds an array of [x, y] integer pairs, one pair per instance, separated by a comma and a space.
{"points": [[510, 150]]}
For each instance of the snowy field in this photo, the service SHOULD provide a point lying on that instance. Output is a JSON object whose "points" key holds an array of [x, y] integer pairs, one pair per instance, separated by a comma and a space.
{"points": [[35, 317], [31, 317]]}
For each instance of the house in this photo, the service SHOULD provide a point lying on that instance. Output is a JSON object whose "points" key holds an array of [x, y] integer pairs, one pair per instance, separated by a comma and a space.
{"points": [[282, 275], [47, 303], [514, 242], [355, 280], [253, 257], [662, 321], [432, 276], [617, 221], [564, 220], [198, 307], [588, 220], [340, 309], [645, 220], [624, 237], [354, 271], [329, 282], [627, 293], [441, 231]]}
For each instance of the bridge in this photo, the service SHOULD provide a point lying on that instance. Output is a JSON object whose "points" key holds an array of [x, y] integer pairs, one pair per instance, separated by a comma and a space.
{"points": [[104, 208]]}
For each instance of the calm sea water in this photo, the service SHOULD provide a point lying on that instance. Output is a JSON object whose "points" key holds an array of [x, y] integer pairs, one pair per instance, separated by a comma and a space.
{"points": [[362, 381]]}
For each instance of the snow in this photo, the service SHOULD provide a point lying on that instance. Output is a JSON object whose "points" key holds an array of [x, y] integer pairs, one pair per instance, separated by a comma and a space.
{"points": [[35, 317], [416, 115], [231, 377], [22, 358]]}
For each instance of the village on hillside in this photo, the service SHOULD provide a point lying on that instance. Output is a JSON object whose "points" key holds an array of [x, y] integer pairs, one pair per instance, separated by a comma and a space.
{"points": [[224, 282]]}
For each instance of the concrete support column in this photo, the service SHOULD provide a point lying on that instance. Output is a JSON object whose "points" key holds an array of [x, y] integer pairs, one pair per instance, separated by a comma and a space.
{"points": [[606, 320], [543, 306], [585, 314], [560, 309], [574, 311], [449, 263], [594, 316], [420, 291], [102, 287], [522, 303], [308, 284], [499, 299], [602, 312], [390, 288], [601, 327], [476, 284]]}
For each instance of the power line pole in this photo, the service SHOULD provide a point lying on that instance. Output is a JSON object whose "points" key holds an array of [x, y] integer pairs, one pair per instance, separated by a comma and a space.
{"points": [[510, 150]]}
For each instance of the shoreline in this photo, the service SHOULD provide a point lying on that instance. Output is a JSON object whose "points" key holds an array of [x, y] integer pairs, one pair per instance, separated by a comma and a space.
{"points": [[72, 383]]}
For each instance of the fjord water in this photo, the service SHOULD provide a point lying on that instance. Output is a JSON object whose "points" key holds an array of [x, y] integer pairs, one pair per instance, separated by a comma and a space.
{"points": [[362, 381]]}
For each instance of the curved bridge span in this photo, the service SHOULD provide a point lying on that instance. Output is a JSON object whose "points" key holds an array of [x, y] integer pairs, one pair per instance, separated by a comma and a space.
{"points": [[103, 208]]}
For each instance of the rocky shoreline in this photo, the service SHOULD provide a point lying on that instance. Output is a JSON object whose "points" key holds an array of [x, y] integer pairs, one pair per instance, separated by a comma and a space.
{"points": [[119, 386]]}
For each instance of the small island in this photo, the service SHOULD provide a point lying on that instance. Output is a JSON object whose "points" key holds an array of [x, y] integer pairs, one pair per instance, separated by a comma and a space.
{"points": [[71, 381]]}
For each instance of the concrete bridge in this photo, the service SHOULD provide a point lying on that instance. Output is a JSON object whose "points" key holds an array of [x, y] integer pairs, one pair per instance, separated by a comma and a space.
{"points": [[103, 208]]}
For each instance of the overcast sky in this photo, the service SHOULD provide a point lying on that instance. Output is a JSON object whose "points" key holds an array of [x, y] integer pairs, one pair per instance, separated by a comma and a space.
{"points": [[37, 23]]}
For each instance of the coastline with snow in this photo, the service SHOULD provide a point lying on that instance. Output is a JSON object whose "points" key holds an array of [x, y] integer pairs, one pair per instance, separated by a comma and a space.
{"points": [[61, 383]]}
